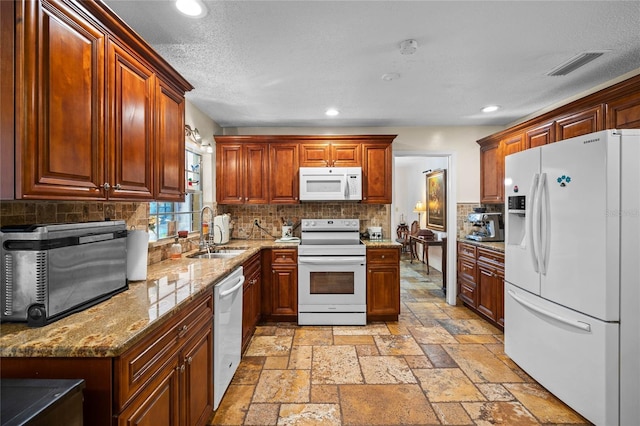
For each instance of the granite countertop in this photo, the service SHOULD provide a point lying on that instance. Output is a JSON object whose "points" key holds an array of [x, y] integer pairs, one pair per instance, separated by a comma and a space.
{"points": [[381, 243], [493, 245], [113, 326]]}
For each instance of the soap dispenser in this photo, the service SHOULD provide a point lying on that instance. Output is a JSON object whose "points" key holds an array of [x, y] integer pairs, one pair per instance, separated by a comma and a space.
{"points": [[175, 252]]}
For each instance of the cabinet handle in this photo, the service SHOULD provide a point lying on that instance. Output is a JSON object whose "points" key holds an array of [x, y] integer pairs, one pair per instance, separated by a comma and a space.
{"points": [[118, 186], [182, 331], [106, 186], [189, 360], [382, 257]]}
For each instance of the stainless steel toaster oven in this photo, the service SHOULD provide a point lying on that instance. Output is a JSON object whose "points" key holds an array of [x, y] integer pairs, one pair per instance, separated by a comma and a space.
{"points": [[51, 271]]}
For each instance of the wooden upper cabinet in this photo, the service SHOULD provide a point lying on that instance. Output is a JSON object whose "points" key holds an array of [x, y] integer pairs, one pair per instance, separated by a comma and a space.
{"points": [[242, 173], [624, 112], [580, 123], [169, 155], [60, 101], [334, 154], [492, 154], [490, 185], [256, 174], [377, 185], [539, 136], [283, 173], [279, 173], [98, 115], [131, 90]]}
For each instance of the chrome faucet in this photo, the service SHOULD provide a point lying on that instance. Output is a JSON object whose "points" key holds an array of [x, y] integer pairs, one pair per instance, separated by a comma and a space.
{"points": [[204, 244]]}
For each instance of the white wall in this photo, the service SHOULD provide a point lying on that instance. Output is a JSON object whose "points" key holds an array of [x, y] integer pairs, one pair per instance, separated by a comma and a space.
{"points": [[438, 139], [410, 186], [207, 128]]}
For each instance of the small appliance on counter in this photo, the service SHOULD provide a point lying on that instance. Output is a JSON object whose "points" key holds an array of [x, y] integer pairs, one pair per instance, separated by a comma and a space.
{"points": [[51, 271], [221, 229], [488, 227], [375, 233]]}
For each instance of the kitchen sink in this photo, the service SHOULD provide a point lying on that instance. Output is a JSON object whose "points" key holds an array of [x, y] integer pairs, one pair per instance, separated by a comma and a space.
{"points": [[217, 254]]}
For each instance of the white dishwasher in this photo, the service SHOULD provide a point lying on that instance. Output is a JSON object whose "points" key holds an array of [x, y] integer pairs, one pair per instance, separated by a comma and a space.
{"points": [[227, 332]]}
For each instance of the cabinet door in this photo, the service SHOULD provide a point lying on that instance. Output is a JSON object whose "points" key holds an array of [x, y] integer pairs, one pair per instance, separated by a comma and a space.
{"points": [[490, 184], [59, 100], [256, 174], [229, 164], [486, 291], [131, 86], [284, 290], [158, 404], [283, 174], [499, 293], [247, 312], [315, 155], [169, 158], [197, 358], [624, 112], [345, 154], [383, 291], [376, 173], [581, 123], [539, 136], [7, 105]]}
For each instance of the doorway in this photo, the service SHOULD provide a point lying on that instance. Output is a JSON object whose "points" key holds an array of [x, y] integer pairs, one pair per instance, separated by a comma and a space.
{"points": [[409, 168]]}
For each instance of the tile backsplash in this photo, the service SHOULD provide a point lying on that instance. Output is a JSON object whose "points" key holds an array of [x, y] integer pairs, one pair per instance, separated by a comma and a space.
{"points": [[28, 212], [270, 217], [463, 210], [136, 214]]}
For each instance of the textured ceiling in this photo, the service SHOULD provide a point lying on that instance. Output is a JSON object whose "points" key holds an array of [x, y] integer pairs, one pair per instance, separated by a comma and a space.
{"points": [[282, 63]]}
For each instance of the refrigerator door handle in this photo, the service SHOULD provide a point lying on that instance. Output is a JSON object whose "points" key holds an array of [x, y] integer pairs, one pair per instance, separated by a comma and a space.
{"points": [[576, 324], [545, 225], [532, 221]]}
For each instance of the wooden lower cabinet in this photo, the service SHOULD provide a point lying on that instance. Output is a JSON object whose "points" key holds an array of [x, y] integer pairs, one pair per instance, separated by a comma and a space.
{"points": [[481, 281], [251, 299], [280, 284], [168, 377], [383, 284]]}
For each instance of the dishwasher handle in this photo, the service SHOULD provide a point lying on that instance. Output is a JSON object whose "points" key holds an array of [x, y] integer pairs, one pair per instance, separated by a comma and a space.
{"points": [[234, 288]]}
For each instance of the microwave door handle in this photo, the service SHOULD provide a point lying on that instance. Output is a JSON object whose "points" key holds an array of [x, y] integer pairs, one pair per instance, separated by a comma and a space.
{"points": [[346, 187]]}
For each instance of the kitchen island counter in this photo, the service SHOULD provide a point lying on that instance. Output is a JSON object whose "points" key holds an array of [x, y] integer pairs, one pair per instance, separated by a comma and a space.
{"points": [[110, 328]]}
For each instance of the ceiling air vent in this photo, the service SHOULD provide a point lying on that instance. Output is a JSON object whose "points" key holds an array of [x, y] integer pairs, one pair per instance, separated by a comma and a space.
{"points": [[575, 63]]}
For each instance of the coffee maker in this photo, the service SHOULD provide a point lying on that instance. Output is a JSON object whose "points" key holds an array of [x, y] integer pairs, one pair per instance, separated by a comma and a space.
{"points": [[487, 227]]}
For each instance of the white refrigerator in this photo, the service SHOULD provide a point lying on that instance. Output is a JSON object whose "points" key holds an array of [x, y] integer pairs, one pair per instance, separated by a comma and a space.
{"points": [[572, 271]]}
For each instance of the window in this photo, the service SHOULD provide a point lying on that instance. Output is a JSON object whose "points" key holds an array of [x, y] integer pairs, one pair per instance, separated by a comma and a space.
{"points": [[166, 219]]}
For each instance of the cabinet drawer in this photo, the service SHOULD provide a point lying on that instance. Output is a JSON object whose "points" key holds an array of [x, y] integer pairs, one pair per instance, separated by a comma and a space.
{"points": [[383, 256], [468, 250], [468, 292], [286, 256], [492, 257], [140, 364], [467, 269]]}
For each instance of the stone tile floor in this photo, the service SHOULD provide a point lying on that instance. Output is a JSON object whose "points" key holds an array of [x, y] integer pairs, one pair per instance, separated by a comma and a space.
{"points": [[439, 364]]}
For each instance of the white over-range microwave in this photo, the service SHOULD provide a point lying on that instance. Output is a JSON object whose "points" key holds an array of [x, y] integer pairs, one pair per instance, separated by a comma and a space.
{"points": [[330, 183]]}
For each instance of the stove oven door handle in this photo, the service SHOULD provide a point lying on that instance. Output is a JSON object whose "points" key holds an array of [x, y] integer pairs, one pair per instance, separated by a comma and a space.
{"points": [[331, 260]]}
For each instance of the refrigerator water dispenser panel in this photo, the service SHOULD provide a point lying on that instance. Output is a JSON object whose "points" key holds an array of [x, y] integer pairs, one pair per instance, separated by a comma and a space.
{"points": [[517, 204]]}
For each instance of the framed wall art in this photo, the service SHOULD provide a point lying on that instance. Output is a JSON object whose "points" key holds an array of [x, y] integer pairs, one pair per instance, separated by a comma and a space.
{"points": [[437, 200]]}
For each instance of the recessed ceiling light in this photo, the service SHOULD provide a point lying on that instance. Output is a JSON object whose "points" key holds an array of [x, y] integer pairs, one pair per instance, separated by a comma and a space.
{"points": [[490, 108], [191, 8], [332, 112]]}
